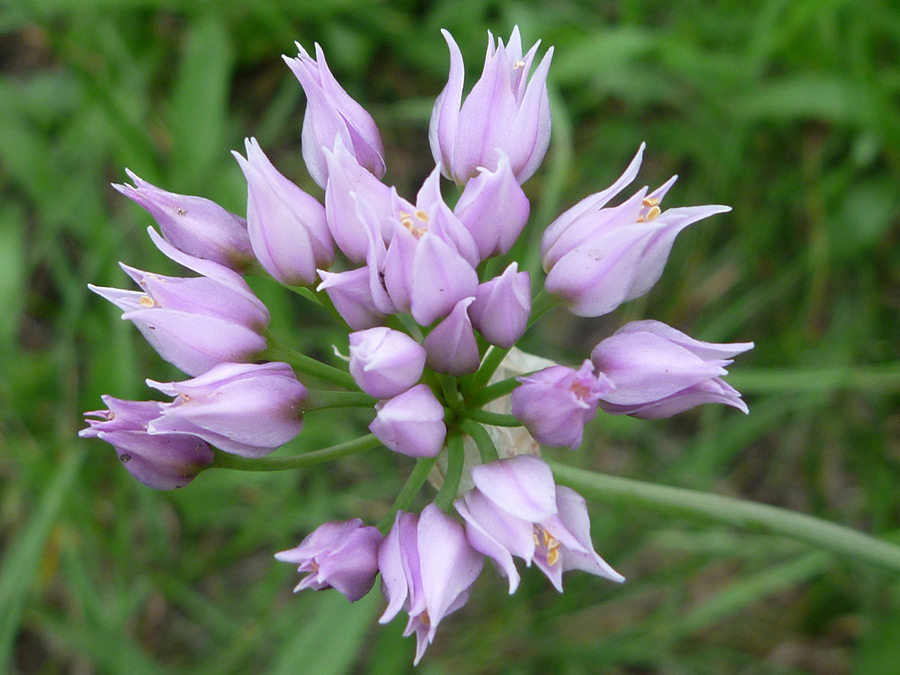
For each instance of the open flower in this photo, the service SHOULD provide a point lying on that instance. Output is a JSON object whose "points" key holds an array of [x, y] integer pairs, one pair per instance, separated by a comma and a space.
{"points": [[555, 403], [427, 569], [504, 111], [160, 461], [342, 555], [658, 371], [516, 509], [194, 323]]}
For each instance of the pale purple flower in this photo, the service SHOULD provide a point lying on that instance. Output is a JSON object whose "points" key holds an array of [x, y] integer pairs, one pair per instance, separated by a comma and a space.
{"points": [[385, 362], [411, 423], [502, 307], [159, 461], [287, 226], [504, 111], [245, 409], [554, 404], [430, 262], [195, 225], [194, 323], [658, 371], [516, 509], [348, 184], [451, 345], [331, 114], [427, 569], [494, 209], [596, 257], [351, 295], [339, 555]]}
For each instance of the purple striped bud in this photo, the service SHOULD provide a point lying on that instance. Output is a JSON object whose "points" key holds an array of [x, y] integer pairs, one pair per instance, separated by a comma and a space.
{"points": [[658, 371], [503, 111], [195, 225], [384, 362], [343, 556], [451, 345], [427, 569], [194, 323], [596, 258], [518, 510], [159, 461], [287, 226], [494, 209], [554, 404], [331, 114], [502, 307], [411, 423], [245, 409]]}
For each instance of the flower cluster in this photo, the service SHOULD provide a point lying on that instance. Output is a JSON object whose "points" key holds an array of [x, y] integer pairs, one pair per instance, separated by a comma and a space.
{"points": [[429, 329]]}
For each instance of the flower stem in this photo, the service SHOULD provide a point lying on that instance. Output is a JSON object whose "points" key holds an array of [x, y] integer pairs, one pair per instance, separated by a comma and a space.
{"points": [[542, 303], [493, 391], [737, 512], [323, 399], [413, 485], [455, 460], [490, 364], [479, 434], [492, 418], [275, 351], [224, 460]]}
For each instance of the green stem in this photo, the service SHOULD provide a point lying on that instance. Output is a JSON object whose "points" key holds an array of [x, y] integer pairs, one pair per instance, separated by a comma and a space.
{"points": [[482, 438], [413, 486], [455, 461], [224, 460], [736, 512], [322, 399], [450, 390], [492, 418], [542, 303], [275, 351], [492, 392], [488, 366]]}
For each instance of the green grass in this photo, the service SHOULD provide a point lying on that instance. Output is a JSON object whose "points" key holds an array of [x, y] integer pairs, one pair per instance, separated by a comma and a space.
{"points": [[785, 110]]}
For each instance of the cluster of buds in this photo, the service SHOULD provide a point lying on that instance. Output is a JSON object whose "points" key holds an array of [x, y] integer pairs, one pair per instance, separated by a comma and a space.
{"points": [[429, 331]]}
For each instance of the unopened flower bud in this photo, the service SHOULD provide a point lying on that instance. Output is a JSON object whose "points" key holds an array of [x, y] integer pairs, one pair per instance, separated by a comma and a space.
{"points": [[385, 362], [502, 307], [411, 423]]}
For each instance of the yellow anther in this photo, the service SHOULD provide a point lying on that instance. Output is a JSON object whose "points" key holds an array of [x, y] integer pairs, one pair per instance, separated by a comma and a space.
{"points": [[146, 301], [653, 212], [421, 215], [518, 64], [650, 201]]}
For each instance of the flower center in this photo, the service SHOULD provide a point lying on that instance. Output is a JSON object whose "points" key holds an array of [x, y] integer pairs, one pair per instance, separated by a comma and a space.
{"points": [[417, 223], [650, 211], [544, 539]]}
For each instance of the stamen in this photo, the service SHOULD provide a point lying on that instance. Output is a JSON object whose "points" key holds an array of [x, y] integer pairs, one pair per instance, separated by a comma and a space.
{"points": [[653, 213], [146, 301], [518, 64], [650, 201], [421, 215]]}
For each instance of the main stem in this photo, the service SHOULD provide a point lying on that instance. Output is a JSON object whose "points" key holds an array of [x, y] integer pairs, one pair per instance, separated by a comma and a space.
{"points": [[224, 460], [737, 512]]}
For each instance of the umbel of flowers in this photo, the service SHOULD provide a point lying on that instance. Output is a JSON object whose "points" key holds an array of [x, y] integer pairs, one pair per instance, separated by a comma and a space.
{"points": [[428, 330]]}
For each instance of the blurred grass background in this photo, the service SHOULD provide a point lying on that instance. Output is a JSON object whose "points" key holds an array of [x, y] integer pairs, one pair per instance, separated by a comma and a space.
{"points": [[788, 111]]}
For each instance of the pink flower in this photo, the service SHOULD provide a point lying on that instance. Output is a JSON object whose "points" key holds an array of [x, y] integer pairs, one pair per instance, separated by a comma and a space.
{"points": [[516, 509], [554, 404], [411, 423], [336, 555], [427, 569]]}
